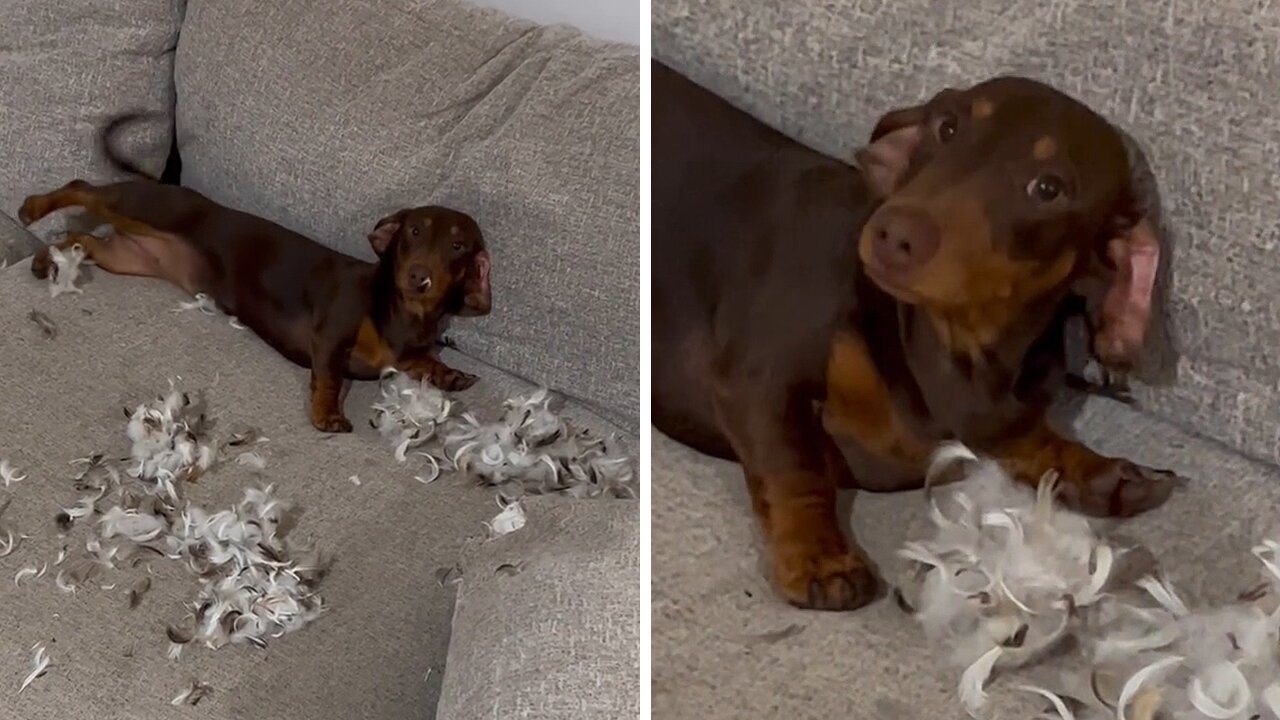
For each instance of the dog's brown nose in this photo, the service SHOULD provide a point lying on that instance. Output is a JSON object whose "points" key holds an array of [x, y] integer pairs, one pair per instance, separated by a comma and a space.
{"points": [[903, 238], [419, 278]]}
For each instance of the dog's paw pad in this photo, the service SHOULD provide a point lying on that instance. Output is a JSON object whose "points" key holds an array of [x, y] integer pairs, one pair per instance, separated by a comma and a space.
{"points": [[332, 424], [821, 581]]}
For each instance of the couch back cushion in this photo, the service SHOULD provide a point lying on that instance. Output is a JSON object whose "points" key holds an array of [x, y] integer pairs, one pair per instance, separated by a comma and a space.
{"points": [[325, 116], [68, 66], [1195, 86]]}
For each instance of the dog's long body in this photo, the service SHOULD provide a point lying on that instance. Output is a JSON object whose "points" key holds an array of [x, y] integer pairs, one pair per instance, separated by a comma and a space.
{"points": [[827, 326], [342, 317]]}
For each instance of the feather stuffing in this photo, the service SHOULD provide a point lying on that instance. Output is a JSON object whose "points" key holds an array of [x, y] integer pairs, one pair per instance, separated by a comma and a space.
{"points": [[511, 519], [8, 474], [255, 582], [192, 695], [1214, 663], [200, 302], [1003, 574], [39, 665], [530, 449], [66, 269], [167, 441]]}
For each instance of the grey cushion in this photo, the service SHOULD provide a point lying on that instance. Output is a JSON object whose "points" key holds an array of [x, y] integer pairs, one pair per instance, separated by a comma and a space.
{"points": [[1198, 93], [547, 623], [66, 67], [327, 116], [16, 242], [389, 620], [723, 645]]}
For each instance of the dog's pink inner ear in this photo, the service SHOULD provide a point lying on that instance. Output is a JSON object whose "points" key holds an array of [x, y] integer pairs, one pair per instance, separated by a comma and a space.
{"points": [[1126, 310], [478, 298], [885, 161], [382, 235]]}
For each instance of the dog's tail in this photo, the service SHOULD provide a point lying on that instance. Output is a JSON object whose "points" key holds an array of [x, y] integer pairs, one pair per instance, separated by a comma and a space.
{"points": [[112, 153]]}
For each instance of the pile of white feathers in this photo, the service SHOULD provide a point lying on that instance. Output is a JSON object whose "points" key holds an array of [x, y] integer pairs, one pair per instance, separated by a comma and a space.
{"points": [[256, 583], [1007, 578], [531, 449]]}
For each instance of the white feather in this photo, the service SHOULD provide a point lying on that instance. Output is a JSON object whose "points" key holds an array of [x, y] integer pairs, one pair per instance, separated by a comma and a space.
{"points": [[972, 682], [1138, 679], [66, 269], [1003, 568], [511, 518], [8, 474], [201, 302], [1059, 705], [39, 665]]}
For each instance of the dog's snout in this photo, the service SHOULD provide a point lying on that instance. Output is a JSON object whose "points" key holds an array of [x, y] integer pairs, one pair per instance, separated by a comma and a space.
{"points": [[903, 238], [419, 278]]}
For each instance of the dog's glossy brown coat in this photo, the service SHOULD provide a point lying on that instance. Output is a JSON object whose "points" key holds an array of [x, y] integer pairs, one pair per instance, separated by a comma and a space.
{"points": [[827, 326], [341, 317]]}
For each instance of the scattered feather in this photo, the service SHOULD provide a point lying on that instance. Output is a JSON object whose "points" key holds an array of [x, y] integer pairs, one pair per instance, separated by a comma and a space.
{"points": [[509, 569], [8, 474], [536, 451], [1003, 564], [47, 327], [192, 695], [167, 442], [354, 480], [30, 571], [1005, 572], [235, 323], [66, 269], [200, 302], [451, 575], [508, 521], [530, 449], [9, 543], [39, 665], [251, 459], [1059, 705], [973, 680]]}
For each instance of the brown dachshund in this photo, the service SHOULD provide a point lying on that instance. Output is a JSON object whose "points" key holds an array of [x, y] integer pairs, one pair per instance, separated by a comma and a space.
{"points": [[827, 326], [339, 316]]}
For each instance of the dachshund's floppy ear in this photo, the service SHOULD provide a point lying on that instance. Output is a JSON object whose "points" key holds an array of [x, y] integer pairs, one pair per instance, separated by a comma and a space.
{"points": [[385, 231], [477, 297], [884, 161], [1129, 254]]}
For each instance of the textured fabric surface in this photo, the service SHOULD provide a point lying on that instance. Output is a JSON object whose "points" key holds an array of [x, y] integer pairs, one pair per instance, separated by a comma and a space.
{"points": [[66, 67], [716, 622], [389, 620], [327, 116], [16, 242], [1195, 84], [547, 623]]}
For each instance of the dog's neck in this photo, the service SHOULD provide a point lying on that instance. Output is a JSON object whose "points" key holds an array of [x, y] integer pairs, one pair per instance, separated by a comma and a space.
{"points": [[970, 378]]}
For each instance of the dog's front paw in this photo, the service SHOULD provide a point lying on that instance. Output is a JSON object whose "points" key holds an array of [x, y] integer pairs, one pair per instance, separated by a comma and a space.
{"points": [[817, 579], [1121, 489], [332, 423], [454, 380]]}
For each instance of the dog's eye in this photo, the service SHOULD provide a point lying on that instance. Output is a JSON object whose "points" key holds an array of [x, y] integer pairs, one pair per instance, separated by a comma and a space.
{"points": [[947, 126], [1046, 188], [414, 231], [457, 246]]}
